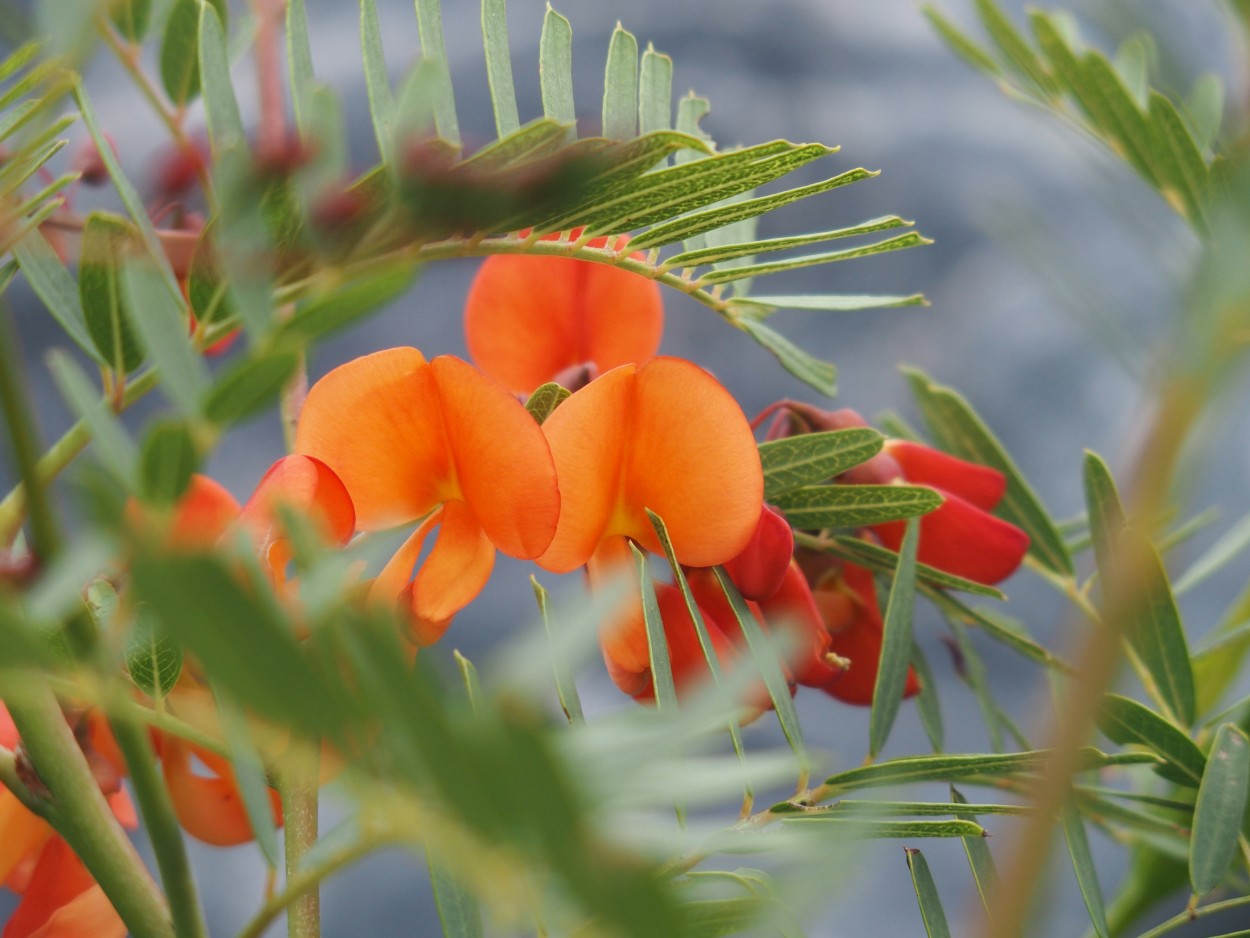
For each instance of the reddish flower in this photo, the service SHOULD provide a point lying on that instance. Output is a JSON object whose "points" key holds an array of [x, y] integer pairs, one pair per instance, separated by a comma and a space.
{"points": [[528, 318], [441, 443]]}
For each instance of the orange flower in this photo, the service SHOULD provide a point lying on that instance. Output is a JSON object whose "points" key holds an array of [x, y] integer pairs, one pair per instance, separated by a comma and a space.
{"points": [[663, 436], [439, 442], [209, 806], [529, 318]]}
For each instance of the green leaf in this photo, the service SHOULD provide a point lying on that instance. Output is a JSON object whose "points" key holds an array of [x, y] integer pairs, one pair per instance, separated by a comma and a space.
{"points": [[795, 461], [928, 704], [657, 641], [896, 644], [1000, 629], [161, 324], [959, 42], [655, 92], [712, 255], [249, 773], [499, 66], [620, 87], [168, 460], [434, 49], [1149, 617], [106, 241], [689, 226], [221, 109], [873, 829], [725, 275], [855, 506], [545, 399], [959, 431], [944, 768], [765, 656], [1083, 866], [1132, 63], [381, 98], [566, 687], [973, 674], [1017, 53], [810, 370], [54, 286], [341, 305], [1205, 109], [249, 387], [1115, 113], [981, 861], [131, 18], [153, 659], [458, 908], [1220, 809], [299, 64], [883, 560], [206, 288], [1234, 541], [1128, 723], [472, 685], [536, 139], [927, 895], [960, 808], [113, 446], [555, 67], [180, 67], [1178, 161]]}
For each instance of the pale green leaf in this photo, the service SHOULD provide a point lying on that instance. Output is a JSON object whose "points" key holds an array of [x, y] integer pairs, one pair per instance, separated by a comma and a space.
{"points": [[162, 328], [896, 643], [249, 774], [249, 387], [55, 287], [655, 92], [555, 67], [1016, 52], [928, 704], [810, 370], [1205, 109], [657, 641], [980, 860], [883, 560], [959, 42], [344, 304], [499, 66], [221, 109], [873, 829], [1179, 162], [536, 139], [378, 84], [620, 87], [112, 444], [300, 65], [1234, 541], [434, 49], [566, 687]]}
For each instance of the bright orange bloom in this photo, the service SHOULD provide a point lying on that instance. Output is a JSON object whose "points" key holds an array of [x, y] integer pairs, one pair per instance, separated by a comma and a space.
{"points": [[663, 436], [529, 318], [209, 806], [435, 441]]}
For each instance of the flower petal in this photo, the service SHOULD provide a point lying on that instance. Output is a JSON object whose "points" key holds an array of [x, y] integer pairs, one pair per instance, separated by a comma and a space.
{"points": [[923, 465], [528, 318], [377, 423], [58, 877], [87, 915], [203, 514], [24, 833], [960, 538], [502, 461], [758, 571], [791, 607], [208, 807], [307, 485]]}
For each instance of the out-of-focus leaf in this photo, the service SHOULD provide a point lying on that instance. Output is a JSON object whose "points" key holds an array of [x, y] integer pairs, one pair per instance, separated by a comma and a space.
{"points": [[874, 829], [959, 42], [299, 63], [793, 462], [973, 673], [545, 399], [930, 902], [1127, 722], [153, 659], [112, 445], [980, 860], [341, 305], [1219, 555], [131, 17], [1220, 809], [499, 66], [1205, 109], [249, 773], [53, 284], [1180, 164], [180, 60], [657, 641], [249, 387], [655, 92], [620, 87], [1016, 52], [106, 243], [167, 462], [458, 908], [381, 97], [1083, 866], [161, 324], [221, 109], [566, 687], [928, 704], [818, 374], [854, 506], [896, 644], [959, 431], [555, 67], [434, 49]]}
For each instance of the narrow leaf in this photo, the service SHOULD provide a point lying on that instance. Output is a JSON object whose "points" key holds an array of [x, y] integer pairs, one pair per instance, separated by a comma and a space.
{"points": [[300, 64], [1129, 723], [1220, 809], [930, 902], [1179, 162], [180, 68], [655, 92], [854, 506], [249, 387], [112, 445], [54, 286], [620, 87], [221, 109], [657, 641], [1083, 866], [899, 242], [1220, 554], [959, 42], [555, 67], [792, 462], [1016, 52], [810, 370], [874, 829], [896, 644], [249, 773], [883, 560], [434, 49], [499, 66], [343, 305], [458, 908], [928, 704], [712, 255], [106, 242], [381, 98], [961, 432], [162, 327], [981, 861], [566, 687]]}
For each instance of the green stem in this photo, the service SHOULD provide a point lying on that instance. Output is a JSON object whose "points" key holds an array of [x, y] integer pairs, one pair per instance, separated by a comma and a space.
{"points": [[161, 824], [80, 813], [1188, 916], [60, 455], [298, 784]]}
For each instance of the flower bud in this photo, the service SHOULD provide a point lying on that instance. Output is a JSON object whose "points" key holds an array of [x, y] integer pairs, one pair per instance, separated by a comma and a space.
{"points": [[759, 569]]}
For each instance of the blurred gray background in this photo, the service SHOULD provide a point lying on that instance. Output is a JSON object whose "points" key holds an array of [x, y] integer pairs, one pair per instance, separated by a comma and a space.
{"points": [[1045, 247]]}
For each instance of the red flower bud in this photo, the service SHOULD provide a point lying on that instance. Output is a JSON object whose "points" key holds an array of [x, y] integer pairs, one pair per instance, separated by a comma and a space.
{"points": [[759, 569]]}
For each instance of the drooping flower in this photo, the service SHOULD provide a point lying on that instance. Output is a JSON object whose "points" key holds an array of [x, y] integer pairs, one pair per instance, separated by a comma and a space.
{"points": [[529, 318], [439, 442]]}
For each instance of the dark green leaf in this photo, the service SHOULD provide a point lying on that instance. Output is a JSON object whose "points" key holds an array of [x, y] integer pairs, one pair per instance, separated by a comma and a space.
{"points": [[793, 462], [153, 659], [249, 387], [132, 17], [1083, 865], [206, 288], [106, 242], [981, 861], [555, 68], [1220, 809], [1129, 723], [499, 66], [1116, 114], [883, 560], [167, 462], [180, 59], [1106, 516], [896, 644], [620, 87], [873, 829], [545, 399], [854, 506], [959, 431], [810, 370], [54, 286], [930, 902]]}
